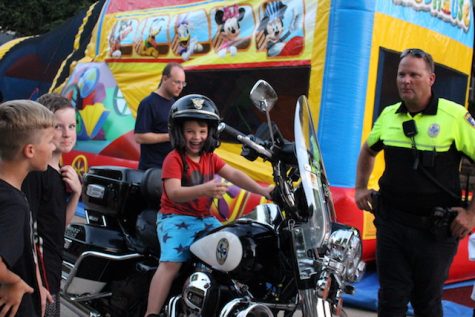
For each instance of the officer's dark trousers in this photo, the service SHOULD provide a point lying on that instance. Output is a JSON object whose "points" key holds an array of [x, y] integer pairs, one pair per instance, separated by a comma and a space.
{"points": [[412, 267]]}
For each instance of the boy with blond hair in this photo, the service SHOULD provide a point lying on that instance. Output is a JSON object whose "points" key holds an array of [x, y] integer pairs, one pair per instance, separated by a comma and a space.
{"points": [[26, 144], [53, 196]]}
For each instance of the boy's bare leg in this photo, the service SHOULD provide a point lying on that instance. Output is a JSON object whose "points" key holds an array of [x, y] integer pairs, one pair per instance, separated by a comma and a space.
{"points": [[160, 286]]}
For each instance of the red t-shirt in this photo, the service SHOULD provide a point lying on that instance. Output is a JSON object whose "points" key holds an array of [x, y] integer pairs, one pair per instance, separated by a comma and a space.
{"points": [[198, 173]]}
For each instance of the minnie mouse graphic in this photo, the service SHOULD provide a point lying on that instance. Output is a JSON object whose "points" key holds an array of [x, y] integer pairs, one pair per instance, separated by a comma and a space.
{"points": [[229, 29]]}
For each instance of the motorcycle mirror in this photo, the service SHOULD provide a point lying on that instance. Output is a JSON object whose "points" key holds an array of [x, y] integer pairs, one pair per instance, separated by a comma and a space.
{"points": [[263, 95]]}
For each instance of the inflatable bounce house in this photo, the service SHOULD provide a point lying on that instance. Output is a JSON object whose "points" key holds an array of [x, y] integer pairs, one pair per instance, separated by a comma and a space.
{"points": [[342, 54], [29, 65]]}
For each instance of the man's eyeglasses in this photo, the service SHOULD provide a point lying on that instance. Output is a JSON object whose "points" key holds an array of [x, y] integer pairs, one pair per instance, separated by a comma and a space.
{"points": [[179, 82], [416, 52]]}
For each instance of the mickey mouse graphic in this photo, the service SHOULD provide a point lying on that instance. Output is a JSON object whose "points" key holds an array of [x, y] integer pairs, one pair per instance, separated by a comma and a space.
{"points": [[276, 40]]}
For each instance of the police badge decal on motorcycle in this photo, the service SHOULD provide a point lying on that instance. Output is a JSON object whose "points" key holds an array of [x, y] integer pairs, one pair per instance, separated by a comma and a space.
{"points": [[222, 251]]}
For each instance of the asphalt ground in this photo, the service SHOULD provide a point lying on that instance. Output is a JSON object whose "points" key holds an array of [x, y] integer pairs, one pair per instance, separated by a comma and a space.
{"points": [[351, 312]]}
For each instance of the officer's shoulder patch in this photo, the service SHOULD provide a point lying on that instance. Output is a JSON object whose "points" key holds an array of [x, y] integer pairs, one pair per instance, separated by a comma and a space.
{"points": [[468, 117]]}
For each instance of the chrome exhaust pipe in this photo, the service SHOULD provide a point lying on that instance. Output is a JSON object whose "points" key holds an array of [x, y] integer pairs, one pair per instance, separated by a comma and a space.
{"points": [[256, 310], [242, 307]]}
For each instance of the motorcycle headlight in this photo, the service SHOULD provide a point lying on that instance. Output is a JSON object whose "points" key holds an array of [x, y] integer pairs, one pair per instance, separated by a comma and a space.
{"points": [[345, 248]]}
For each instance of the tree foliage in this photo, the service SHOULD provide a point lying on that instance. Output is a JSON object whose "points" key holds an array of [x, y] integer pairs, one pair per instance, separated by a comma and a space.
{"points": [[34, 17]]}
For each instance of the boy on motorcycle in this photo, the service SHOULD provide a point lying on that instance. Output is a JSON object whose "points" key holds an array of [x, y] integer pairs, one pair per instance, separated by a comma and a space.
{"points": [[189, 189]]}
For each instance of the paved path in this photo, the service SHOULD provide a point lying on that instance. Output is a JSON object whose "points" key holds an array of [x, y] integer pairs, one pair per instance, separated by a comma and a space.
{"points": [[351, 312]]}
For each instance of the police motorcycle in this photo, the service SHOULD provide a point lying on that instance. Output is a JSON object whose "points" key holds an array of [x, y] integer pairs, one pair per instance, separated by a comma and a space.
{"points": [[288, 258], [109, 260]]}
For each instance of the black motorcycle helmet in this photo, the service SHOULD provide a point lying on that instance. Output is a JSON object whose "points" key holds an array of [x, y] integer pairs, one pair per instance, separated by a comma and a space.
{"points": [[193, 107]]}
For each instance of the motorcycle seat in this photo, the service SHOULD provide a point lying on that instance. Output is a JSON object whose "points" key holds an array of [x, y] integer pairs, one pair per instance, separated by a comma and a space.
{"points": [[152, 187]]}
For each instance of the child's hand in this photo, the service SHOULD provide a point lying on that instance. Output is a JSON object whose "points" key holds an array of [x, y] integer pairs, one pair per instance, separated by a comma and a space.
{"points": [[45, 298], [215, 189], [71, 178], [11, 296]]}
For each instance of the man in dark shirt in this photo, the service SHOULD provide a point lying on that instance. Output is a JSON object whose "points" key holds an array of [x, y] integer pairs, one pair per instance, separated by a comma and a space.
{"points": [[151, 125]]}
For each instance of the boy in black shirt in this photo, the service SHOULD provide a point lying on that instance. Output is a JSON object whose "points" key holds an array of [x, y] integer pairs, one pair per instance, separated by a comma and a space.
{"points": [[26, 144], [53, 196]]}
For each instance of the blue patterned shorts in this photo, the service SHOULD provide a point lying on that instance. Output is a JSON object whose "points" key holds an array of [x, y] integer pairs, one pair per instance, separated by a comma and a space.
{"points": [[177, 232]]}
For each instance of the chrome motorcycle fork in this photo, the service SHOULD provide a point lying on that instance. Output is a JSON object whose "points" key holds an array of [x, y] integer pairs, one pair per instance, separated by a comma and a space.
{"points": [[312, 305], [311, 301]]}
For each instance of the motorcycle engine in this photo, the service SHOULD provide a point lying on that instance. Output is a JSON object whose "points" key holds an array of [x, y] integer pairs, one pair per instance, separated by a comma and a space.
{"points": [[201, 294], [345, 250]]}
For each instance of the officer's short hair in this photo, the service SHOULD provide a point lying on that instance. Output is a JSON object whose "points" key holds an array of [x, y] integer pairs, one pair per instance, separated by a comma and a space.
{"points": [[416, 52]]}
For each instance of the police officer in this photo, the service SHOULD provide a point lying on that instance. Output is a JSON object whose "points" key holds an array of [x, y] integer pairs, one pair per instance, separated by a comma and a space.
{"points": [[423, 138]]}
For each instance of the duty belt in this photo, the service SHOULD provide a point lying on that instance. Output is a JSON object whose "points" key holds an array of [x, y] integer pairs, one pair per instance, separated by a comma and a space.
{"points": [[411, 220]]}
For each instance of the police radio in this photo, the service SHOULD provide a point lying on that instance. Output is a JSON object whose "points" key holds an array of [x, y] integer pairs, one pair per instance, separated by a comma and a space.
{"points": [[410, 130]]}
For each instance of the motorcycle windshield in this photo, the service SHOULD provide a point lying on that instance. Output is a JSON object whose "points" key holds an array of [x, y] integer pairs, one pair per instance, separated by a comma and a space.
{"points": [[313, 177]]}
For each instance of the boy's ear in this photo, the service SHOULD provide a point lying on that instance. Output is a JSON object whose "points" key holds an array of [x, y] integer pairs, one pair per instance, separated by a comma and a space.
{"points": [[28, 151]]}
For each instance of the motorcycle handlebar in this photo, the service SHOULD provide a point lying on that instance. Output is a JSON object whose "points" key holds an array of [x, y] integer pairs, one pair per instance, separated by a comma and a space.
{"points": [[246, 140], [230, 130]]}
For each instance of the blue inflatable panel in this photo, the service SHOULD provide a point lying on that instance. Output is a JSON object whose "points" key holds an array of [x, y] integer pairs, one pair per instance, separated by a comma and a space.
{"points": [[344, 88]]}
